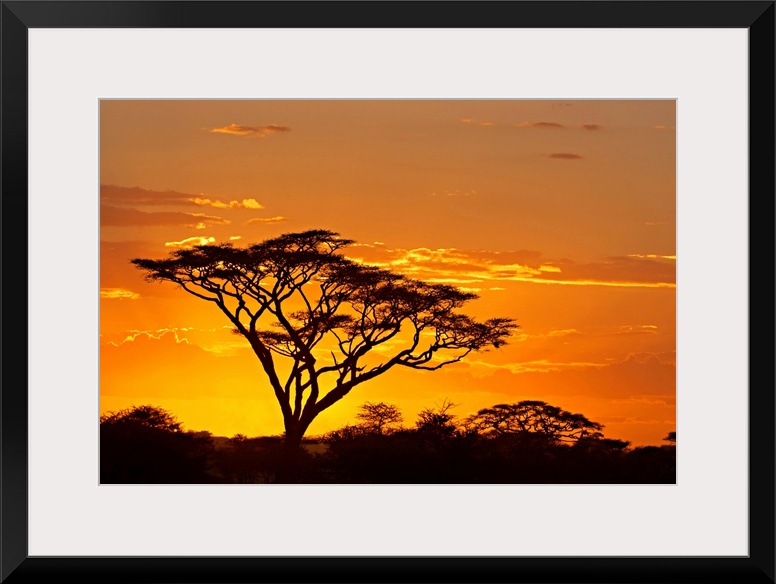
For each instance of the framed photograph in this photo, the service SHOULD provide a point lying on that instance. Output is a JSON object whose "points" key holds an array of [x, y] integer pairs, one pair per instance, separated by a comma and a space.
{"points": [[402, 300]]}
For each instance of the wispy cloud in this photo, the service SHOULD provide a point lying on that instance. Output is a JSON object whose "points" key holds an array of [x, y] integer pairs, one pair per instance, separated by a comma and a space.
{"points": [[637, 374], [168, 334], [118, 294], [252, 131], [190, 242], [266, 220], [214, 339], [125, 217], [651, 256], [118, 196], [137, 196], [244, 204], [477, 122], [474, 268], [541, 125], [235, 237], [455, 193], [537, 125], [564, 156]]}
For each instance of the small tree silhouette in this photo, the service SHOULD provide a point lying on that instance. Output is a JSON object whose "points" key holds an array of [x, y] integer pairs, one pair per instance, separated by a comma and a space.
{"points": [[377, 417], [437, 421], [299, 298]]}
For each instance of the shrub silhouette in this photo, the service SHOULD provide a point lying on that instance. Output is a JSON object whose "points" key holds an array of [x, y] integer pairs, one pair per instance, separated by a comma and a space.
{"points": [[146, 444]]}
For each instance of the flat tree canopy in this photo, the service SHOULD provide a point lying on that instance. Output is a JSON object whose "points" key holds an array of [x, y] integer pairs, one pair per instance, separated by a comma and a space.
{"points": [[322, 324], [536, 418]]}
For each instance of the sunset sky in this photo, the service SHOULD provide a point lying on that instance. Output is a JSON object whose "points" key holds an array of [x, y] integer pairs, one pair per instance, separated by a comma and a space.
{"points": [[559, 214]]}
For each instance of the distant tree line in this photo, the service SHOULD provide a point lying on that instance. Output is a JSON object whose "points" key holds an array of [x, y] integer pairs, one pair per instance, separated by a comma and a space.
{"points": [[525, 442]]}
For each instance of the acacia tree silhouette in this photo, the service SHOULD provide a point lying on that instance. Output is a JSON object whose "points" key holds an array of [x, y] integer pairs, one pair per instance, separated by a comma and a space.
{"points": [[317, 302], [530, 417]]}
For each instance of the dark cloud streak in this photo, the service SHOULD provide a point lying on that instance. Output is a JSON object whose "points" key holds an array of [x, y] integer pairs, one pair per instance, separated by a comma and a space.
{"points": [[116, 195], [123, 217], [541, 125], [564, 156]]}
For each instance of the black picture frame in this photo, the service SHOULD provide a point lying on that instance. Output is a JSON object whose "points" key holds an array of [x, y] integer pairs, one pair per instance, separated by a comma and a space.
{"points": [[19, 16]]}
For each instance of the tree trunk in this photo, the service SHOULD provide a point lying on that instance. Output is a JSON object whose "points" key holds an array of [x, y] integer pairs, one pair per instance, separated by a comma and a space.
{"points": [[290, 467], [293, 440]]}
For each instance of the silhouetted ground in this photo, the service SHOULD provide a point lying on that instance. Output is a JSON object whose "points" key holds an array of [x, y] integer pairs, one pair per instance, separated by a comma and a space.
{"points": [[527, 442], [405, 456]]}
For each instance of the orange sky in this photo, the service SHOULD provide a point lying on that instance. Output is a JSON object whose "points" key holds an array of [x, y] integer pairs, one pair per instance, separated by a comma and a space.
{"points": [[560, 214]]}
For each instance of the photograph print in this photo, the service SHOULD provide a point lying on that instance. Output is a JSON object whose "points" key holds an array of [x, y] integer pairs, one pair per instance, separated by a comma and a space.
{"points": [[387, 291]]}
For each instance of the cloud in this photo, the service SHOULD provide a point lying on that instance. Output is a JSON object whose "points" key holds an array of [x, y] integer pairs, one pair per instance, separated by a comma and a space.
{"points": [[651, 256], [244, 204], [266, 220], [252, 131], [167, 365], [467, 267], [620, 271], [535, 125], [591, 127], [455, 193], [190, 242], [638, 374], [137, 196], [166, 335], [549, 268], [118, 294], [125, 217], [219, 340], [116, 196], [235, 237], [541, 125], [564, 156], [478, 122]]}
